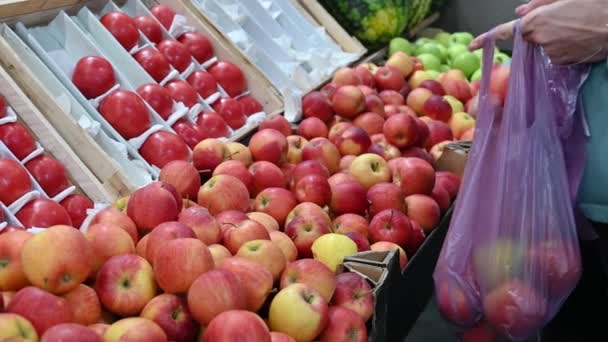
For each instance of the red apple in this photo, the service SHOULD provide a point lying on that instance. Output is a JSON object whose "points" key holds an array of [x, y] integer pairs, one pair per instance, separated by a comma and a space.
{"points": [[460, 89], [154, 62], [43, 309], [77, 205], [307, 168], [354, 141], [448, 180], [266, 175], [437, 108], [229, 219], [312, 273], [92, 75], [417, 152], [135, 329], [107, 240], [266, 253], [232, 112], [366, 77], [250, 105], [442, 197], [204, 84], [390, 225], [182, 91], [384, 196], [344, 325], [423, 132], [339, 178], [337, 130], [499, 83], [277, 202], [215, 292], [84, 304], [183, 176], [171, 313], [345, 162], [348, 101], [304, 230], [276, 122], [280, 337], [162, 147], [480, 332], [163, 233], [349, 197], [223, 192], [562, 269], [414, 176], [122, 27], [268, 145], [366, 90], [199, 46], [383, 246], [323, 151], [15, 181], [12, 276], [311, 128], [401, 130], [308, 209], [43, 213], [237, 325], [416, 240], [294, 149], [350, 223], [434, 86], [346, 76], [313, 188], [391, 97], [238, 170], [438, 131], [286, 245], [424, 210], [468, 135], [417, 98], [164, 14], [118, 218], [354, 292], [374, 104], [315, 104], [213, 125], [360, 240], [126, 112], [152, 205], [49, 173], [256, 280], [455, 304], [70, 332], [230, 77], [389, 78], [328, 91], [370, 122], [244, 231]]}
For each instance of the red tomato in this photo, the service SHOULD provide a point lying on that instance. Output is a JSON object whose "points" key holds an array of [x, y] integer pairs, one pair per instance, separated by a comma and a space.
{"points": [[164, 14], [158, 98], [189, 132], [154, 63], [203, 83], [231, 111], [176, 53], [15, 181], [199, 46], [122, 27], [181, 91], [43, 213], [2, 107], [213, 125], [126, 112], [93, 76], [49, 173], [150, 28], [250, 105], [76, 206], [18, 139], [162, 147], [230, 77]]}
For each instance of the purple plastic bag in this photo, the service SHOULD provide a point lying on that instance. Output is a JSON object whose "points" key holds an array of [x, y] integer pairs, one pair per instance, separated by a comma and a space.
{"points": [[511, 256]]}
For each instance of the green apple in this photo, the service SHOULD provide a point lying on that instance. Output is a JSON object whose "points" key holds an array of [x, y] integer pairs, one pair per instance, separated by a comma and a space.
{"points": [[443, 52], [443, 38], [456, 50], [501, 58], [429, 48], [497, 262], [468, 63], [476, 75], [422, 41], [464, 38], [444, 68], [433, 73], [430, 62], [400, 44], [457, 106]]}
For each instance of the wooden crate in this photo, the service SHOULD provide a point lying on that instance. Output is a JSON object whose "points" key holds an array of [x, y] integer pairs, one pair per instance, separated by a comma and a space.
{"points": [[53, 143]]}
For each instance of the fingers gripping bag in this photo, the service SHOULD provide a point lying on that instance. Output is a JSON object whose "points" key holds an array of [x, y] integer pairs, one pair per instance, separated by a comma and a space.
{"points": [[511, 256]]}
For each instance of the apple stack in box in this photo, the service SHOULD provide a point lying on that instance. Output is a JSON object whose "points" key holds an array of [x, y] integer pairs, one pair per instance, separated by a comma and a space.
{"points": [[35, 190]]}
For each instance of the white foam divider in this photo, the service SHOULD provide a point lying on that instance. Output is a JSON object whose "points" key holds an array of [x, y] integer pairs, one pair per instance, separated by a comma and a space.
{"points": [[65, 193], [11, 116], [91, 215], [9, 218], [35, 153], [179, 111]]}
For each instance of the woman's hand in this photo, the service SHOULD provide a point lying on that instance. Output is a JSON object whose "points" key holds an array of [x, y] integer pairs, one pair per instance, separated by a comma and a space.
{"points": [[570, 31]]}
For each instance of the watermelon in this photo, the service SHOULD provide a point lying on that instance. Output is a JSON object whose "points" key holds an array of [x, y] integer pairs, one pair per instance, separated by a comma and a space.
{"points": [[418, 11], [373, 22]]}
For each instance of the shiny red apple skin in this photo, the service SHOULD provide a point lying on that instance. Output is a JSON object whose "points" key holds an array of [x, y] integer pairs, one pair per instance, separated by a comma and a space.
{"points": [[199, 46], [163, 147], [230, 77], [126, 112], [154, 62], [16, 181], [17, 139], [43, 213], [93, 76]]}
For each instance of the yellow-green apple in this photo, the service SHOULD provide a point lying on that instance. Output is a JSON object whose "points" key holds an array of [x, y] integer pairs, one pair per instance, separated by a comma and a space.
{"points": [[370, 169], [202, 223], [414, 176], [313, 188], [416, 99], [276, 202], [125, 284], [460, 89], [450, 181], [457, 106], [424, 210], [179, 262], [142, 246], [84, 304], [171, 313], [238, 151], [246, 230], [116, 217], [348, 101], [163, 233], [386, 151], [437, 108], [268, 145], [401, 130], [434, 86], [355, 293], [418, 77], [390, 225], [43, 309], [346, 76], [348, 198], [315, 104], [219, 253], [384, 196], [389, 78], [365, 75], [99, 328], [515, 308], [459, 123], [308, 209], [152, 205], [237, 169], [480, 332], [468, 135], [391, 97], [344, 324], [214, 292], [237, 325], [354, 141], [340, 177], [266, 175], [15, 327], [265, 253], [442, 197], [256, 280], [312, 127], [287, 246], [107, 240], [416, 240], [209, 153], [498, 261], [223, 192], [360, 240], [264, 219], [332, 248], [370, 122], [384, 246], [57, 259], [374, 104], [304, 230], [345, 162], [336, 130], [12, 276], [276, 122], [311, 272], [350, 223], [438, 132], [299, 311], [280, 337], [403, 62], [67, 332], [134, 329], [183, 176], [456, 305], [295, 144]]}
